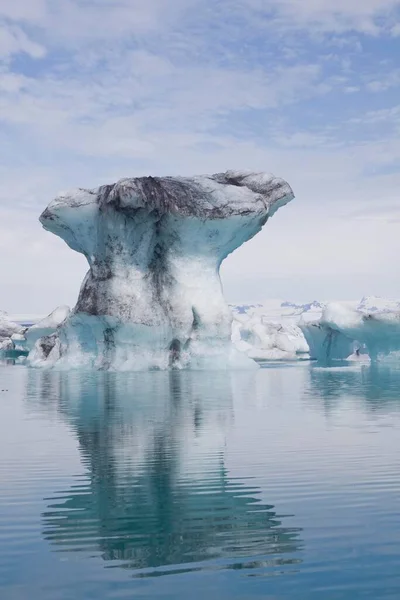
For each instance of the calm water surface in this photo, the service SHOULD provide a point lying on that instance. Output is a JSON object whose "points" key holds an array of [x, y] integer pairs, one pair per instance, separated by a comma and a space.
{"points": [[277, 484]]}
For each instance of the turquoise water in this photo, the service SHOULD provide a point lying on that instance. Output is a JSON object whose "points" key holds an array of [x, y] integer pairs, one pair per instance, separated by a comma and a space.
{"points": [[278, 484]]}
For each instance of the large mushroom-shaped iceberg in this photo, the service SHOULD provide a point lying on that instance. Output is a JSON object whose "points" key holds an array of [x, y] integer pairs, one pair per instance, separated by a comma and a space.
{"points": [[152, 297]]}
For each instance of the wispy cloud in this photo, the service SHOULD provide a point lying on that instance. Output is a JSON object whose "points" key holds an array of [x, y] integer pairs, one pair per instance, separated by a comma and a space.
{"points": [[93, 90], [371, 17]]}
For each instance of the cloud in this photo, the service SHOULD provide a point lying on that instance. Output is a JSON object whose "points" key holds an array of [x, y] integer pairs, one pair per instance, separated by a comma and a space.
{"points": [[33, 11], [71, 23], [391, 114], [124, 115], [370, 17], [95, 90], [14, 41], [385, 81]]}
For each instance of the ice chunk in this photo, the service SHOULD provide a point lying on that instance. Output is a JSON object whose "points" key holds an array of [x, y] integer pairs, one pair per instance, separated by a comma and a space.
{"points": [[8, 332], [263, 340], [46, 326], [20, 339], [8, 327], [6, 345], [46, 350], [351, 330], [343, 330], [267, 332], [326, 343], [326, 338], [152, 297], [19, 342]]}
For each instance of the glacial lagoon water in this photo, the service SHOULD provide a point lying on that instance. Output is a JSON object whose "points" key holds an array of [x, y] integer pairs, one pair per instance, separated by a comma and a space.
{"points": [[278, 484]]}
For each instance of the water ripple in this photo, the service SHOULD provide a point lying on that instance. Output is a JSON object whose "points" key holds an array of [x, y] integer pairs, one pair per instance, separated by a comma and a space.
{"points": [[277, 484]]}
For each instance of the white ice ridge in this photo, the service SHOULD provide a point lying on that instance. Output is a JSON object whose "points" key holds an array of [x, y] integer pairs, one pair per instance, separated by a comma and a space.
{"points": [[152, 297], [372, 328], [268, 332]]}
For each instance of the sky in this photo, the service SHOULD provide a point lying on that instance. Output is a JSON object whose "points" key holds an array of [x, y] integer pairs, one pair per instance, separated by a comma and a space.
{"points": [[95, 90]]}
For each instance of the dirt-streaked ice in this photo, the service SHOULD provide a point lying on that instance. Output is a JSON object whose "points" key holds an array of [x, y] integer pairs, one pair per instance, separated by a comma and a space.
{"points": [[152, 297]]}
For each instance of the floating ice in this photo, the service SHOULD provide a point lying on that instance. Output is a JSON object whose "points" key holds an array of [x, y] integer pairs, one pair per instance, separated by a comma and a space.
{"points": [[46, 326], [261, 338], [152, 297], [6, 345], [342, 331], [19, 342], [347, 330], [9, 333], [8, 327], [325, 342], [18, 339]]}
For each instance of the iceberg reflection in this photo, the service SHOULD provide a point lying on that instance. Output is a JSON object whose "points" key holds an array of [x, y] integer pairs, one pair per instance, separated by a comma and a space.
{"points": [[376, 387], [156, 495]]}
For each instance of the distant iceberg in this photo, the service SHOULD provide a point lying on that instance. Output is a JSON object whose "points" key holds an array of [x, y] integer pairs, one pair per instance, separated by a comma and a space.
{"points": [[8, 327], [11, 336], [372, 328], [47, 326], [152, 298], [268, 332], [275, 330], [17, 339], [351, 330]]}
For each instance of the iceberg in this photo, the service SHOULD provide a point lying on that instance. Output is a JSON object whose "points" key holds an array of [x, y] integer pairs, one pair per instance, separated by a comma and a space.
{"points": [[8, 327], [270, 331], [19, 343], [343, 331], [262, 339], [46, 326], [326, 343], [152, 298], [6, 346], [17, 339], [11, 335]]}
